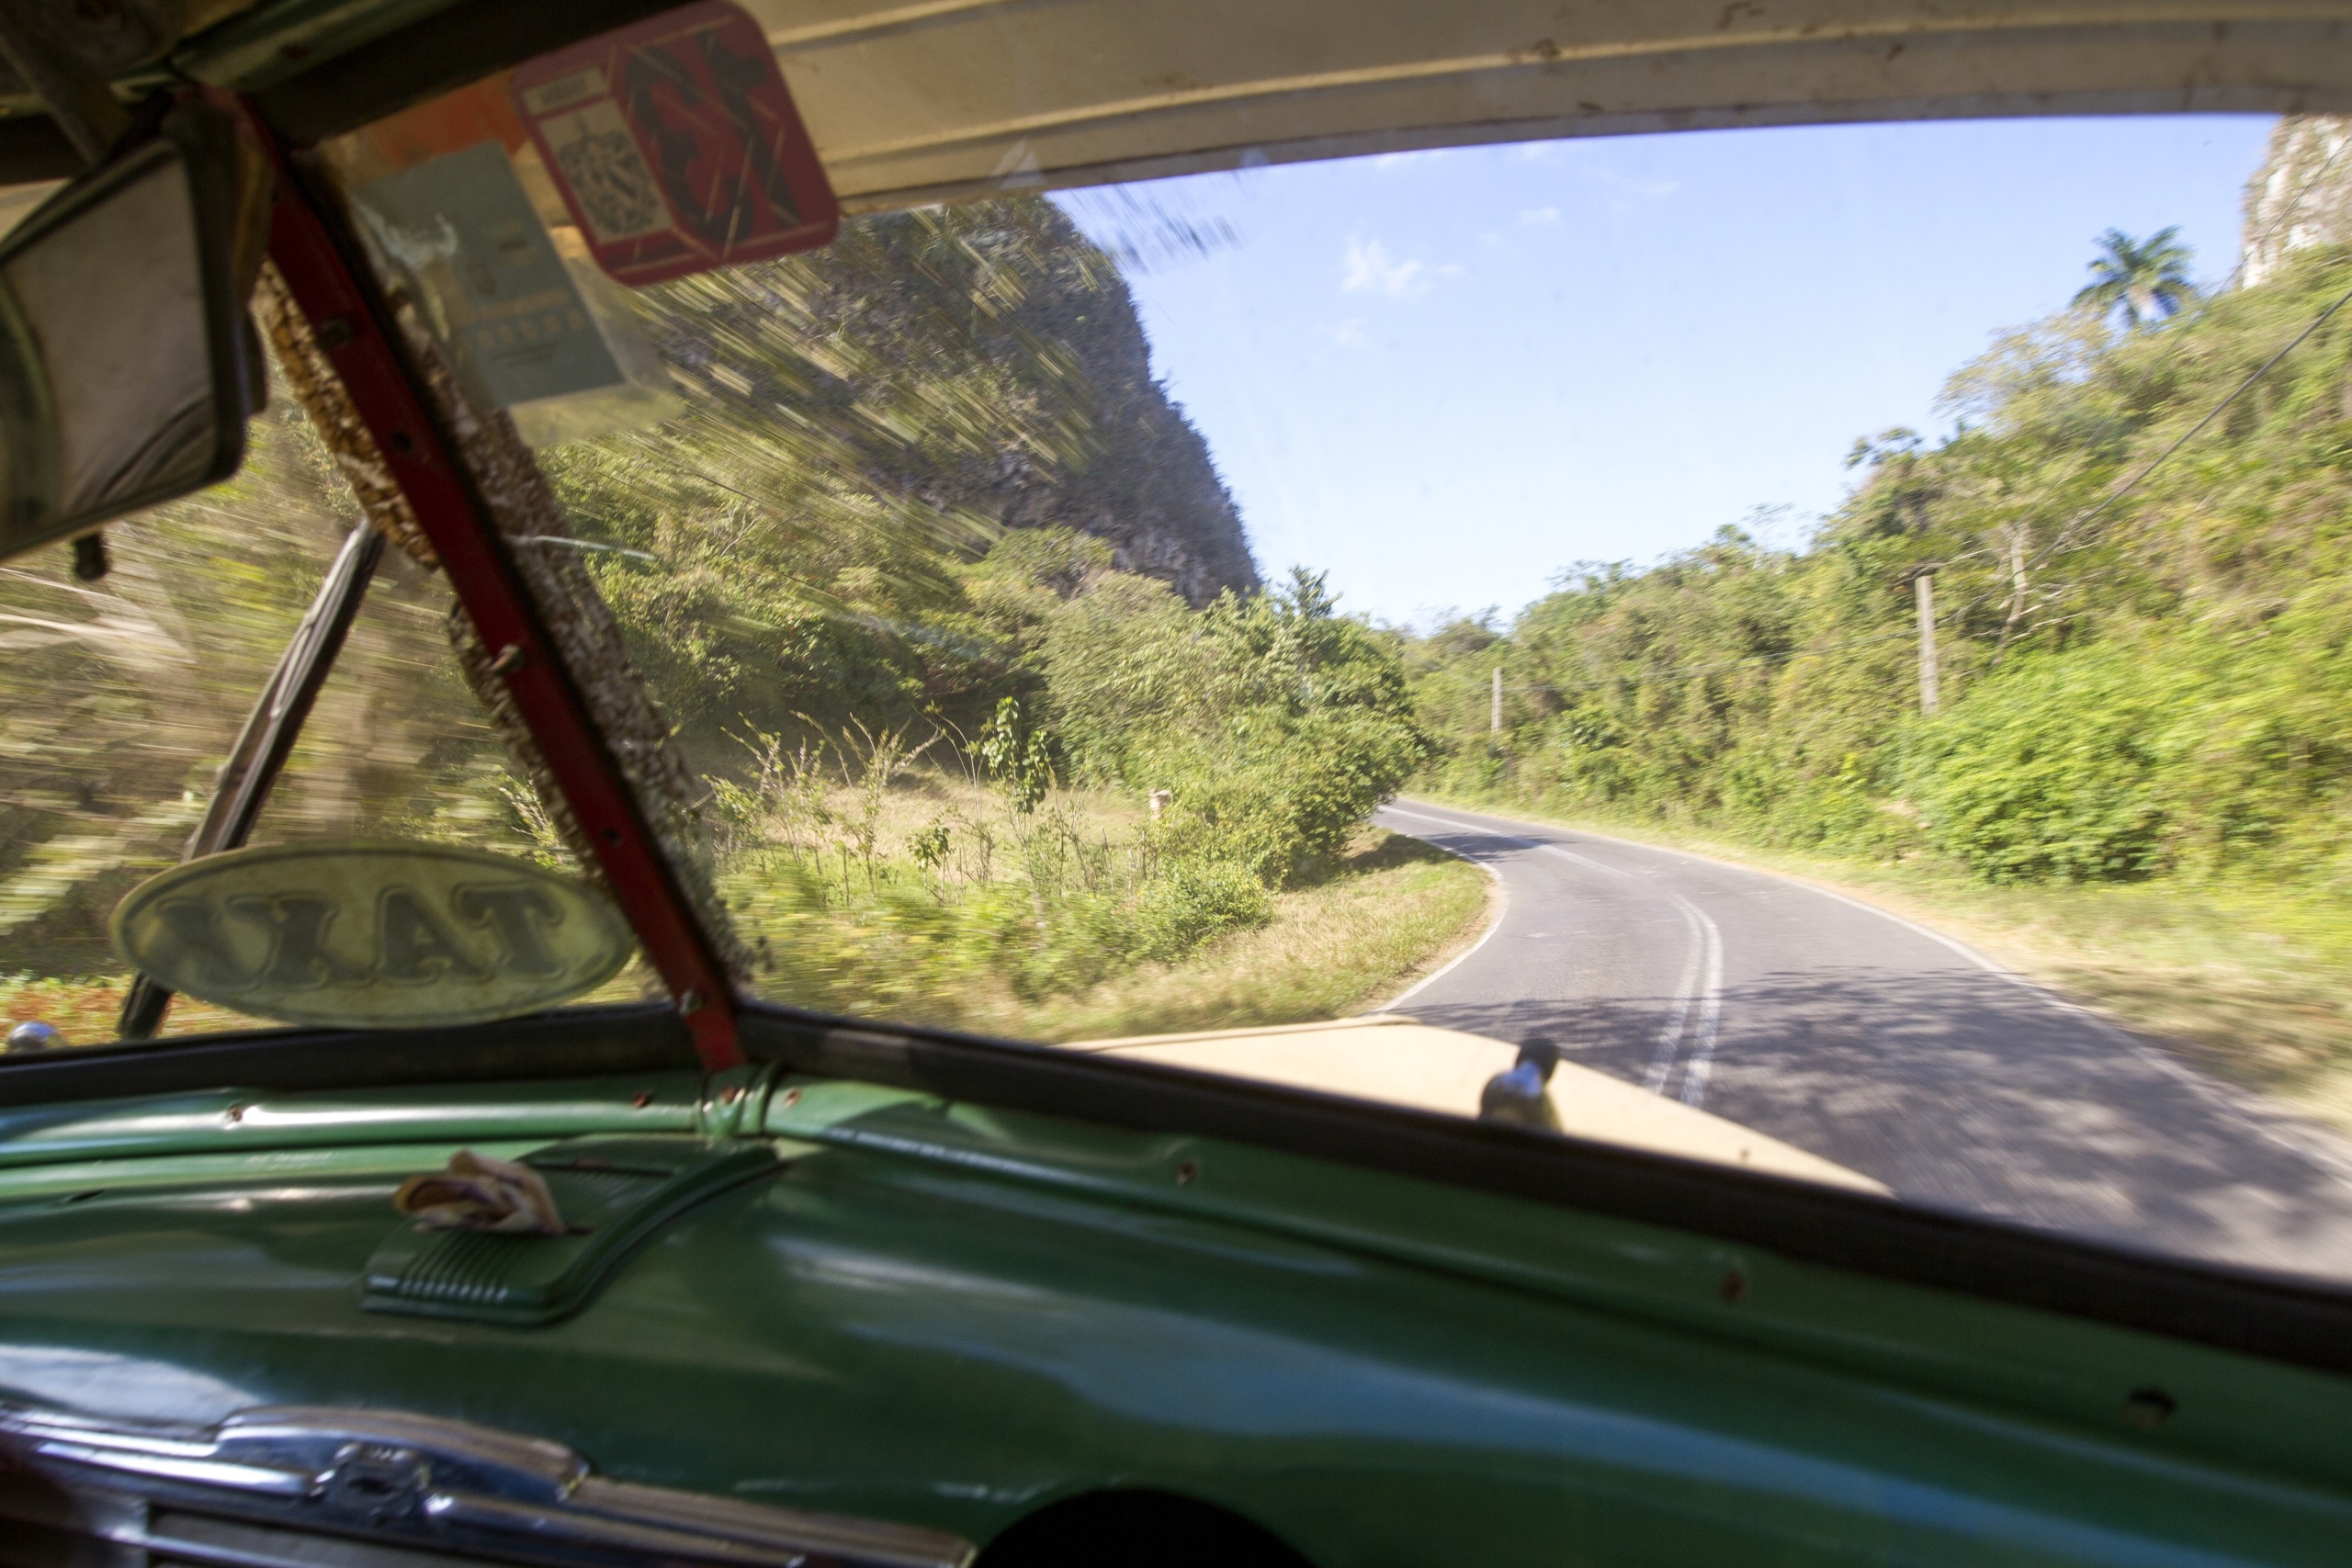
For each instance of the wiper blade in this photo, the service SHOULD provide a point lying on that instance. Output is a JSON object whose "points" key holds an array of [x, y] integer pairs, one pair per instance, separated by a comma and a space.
{"points": [[268, 737]]}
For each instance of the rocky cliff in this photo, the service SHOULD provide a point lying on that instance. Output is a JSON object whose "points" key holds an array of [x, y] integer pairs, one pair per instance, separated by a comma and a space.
{"points": [[1151, 490], [2300, 196], [984, 359], [1015, 286]]}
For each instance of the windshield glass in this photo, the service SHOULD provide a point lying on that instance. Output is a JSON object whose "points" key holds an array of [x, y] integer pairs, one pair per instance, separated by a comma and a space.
{"points": [[126, 697], [1821, 649]]}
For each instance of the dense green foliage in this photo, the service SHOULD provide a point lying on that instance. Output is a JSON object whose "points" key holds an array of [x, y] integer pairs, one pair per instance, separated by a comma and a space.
{"points": [[1266, 727], [929, 741], [817, 602], [2154, 682], [791, 575], [1273, 723]]}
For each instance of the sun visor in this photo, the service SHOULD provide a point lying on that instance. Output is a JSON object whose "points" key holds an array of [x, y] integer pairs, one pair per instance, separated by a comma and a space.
{"points": [[916, 103]]}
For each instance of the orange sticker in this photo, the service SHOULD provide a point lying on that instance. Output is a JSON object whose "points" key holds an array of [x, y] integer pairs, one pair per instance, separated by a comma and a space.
{"points": [[450, 123]]}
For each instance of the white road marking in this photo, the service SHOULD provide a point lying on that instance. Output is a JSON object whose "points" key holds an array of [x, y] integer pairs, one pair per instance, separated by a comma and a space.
{"points": [[2219, 1097], [1700, 983], [1711, 1011], [1466, 828], [1551, 849], [1670, 1039], [2245, 1118], [1702, 980]]}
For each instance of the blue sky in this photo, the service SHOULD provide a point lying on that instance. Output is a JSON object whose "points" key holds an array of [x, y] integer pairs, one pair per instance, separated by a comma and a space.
{"points": [[1446, 376]]}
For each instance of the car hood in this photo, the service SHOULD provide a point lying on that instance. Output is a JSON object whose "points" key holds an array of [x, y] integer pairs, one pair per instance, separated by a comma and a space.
{"points": [[1399, 1060]]}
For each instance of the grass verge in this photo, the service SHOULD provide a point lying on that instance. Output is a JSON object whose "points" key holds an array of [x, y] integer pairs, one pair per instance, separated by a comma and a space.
{"points": [[2244, 981], [84, 1010], [1393, 910]]}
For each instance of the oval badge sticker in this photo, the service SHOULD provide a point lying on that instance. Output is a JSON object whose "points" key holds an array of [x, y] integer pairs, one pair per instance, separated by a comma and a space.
{"points": [[371, 936]]}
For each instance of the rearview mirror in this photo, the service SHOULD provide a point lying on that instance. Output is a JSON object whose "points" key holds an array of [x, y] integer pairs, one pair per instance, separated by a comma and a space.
{"points": [[126, 374]]}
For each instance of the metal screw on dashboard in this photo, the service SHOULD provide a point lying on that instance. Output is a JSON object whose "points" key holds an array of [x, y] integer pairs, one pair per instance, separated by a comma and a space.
{"points": [[1185, 1172], [510, 659]]}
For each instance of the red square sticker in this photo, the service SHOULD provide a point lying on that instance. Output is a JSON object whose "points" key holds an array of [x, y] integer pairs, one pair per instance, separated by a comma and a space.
{"points": [[676, 146]]}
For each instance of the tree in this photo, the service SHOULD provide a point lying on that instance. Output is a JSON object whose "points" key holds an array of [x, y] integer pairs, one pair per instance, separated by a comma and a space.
{"points": [[2143, 278]]}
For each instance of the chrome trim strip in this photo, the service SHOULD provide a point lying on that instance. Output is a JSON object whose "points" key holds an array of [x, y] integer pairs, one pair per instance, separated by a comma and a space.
{"points": [[200, 1540], [246, 1478], [411, 1481]]}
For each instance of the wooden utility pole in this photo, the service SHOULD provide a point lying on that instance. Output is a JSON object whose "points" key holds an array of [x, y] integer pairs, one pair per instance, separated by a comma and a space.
{"points": [[1495, 709], [1930, 695]]}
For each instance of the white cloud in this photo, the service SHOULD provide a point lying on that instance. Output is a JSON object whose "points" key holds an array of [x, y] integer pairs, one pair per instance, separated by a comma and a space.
{"points": [[1368, 268], [1539, 217], [1350, 334], [1627, 191]]}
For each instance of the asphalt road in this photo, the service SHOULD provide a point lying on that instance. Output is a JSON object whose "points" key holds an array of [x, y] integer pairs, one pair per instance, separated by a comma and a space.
{"points": [[1870, 1040]]}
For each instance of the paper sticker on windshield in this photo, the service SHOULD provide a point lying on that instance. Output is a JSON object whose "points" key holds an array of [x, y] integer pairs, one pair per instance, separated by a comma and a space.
{"points": [[463, 225], [676, 146], [371, 936]]}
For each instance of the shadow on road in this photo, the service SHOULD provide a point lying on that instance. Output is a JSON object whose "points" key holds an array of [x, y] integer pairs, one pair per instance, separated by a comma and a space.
{"points": [[1961, 1090]]}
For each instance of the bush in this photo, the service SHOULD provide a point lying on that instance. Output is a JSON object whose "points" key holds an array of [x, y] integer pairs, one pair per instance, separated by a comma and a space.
{"points": [[2052, 769], [1286, 800], [1192, 902], [1275, 723]]}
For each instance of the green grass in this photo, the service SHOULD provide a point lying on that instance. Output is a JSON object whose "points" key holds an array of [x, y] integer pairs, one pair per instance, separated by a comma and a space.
{"points": [[2244, 978], [1393, 910]]}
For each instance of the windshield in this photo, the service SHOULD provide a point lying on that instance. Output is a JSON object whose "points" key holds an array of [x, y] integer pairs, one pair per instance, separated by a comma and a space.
{"points": [[1816, 647]]}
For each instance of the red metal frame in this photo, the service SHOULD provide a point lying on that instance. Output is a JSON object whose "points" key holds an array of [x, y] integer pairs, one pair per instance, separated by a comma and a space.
{"points": [[331, 284]]}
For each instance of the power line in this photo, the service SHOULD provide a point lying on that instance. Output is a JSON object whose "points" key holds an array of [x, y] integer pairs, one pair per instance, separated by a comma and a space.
{"points": [[1689, 668], [2173, 349], [2211, 415], [2293, 200], [2287, 209], [2063, 534]]}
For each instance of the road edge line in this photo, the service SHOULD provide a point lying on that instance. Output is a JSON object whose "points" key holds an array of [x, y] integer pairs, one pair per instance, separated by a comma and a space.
{"points": [[1502, 890]]}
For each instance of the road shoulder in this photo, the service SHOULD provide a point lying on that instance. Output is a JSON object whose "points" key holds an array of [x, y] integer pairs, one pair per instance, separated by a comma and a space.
{"points": [[1391, 910]]}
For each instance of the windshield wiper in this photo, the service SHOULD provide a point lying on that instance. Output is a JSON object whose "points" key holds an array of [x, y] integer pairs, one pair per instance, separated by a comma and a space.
{"points": [[268, 737]]}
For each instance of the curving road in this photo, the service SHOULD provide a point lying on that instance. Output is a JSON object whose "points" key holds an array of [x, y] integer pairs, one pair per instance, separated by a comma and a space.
{"points": [[1872, 1040]]}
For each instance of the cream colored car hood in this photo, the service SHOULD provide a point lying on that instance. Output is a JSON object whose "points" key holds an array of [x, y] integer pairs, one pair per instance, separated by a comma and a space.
{"points": [[1392, 1057]]}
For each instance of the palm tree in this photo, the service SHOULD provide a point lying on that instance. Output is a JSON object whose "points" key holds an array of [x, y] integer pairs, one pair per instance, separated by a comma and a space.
{"points": [[2143, 278]]}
